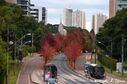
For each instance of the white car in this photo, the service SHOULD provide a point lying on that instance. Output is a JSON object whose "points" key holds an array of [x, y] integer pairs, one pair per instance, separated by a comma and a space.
{"points": [[52, 81]]}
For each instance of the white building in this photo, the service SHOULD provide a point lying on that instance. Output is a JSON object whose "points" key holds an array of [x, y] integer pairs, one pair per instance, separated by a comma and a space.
{"points": [[68, 17], [78, 19], [61, 29], [98, 21], [24, 4], [34, 12]]}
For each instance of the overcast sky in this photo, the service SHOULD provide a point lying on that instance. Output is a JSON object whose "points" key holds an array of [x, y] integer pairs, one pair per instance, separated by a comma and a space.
{"points": [[55, 8]]}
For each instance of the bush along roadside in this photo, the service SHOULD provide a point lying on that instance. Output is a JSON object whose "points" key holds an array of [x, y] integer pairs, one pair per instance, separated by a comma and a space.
{"points": [[107, 61]]}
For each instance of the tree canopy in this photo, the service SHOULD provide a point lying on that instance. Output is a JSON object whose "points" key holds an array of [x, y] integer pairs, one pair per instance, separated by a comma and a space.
{"points": [[112, 31]]}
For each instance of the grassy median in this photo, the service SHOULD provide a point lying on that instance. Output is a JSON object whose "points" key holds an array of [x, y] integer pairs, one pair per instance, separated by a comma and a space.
{"points": [[14, 72]]}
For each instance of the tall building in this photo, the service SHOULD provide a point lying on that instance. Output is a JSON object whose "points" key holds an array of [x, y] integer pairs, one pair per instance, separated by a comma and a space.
{"points": [[44, 15], [11, 1], [34, 12], [98, 21], [68, 17], [115, 5], [25, 5], [78, 19], [111, 8], [121, 4], [94, 23]]}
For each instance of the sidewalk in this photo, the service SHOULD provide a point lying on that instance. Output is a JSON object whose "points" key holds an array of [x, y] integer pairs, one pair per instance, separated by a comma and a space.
{"points": [[36, 77]]}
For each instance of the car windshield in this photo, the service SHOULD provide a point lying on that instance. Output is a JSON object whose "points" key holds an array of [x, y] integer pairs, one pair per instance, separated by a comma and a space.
{"points": [[99, 69]]}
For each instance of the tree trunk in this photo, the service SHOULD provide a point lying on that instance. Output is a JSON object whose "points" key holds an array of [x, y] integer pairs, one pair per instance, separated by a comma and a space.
{"points": [[74, 63], [45, 59]]}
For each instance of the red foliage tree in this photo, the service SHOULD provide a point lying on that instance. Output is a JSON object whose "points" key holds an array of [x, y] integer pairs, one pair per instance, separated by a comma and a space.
{"points": [[76, 35], [47, 47], [49, 38], [72, 51], [58, 42], [48, 52]]}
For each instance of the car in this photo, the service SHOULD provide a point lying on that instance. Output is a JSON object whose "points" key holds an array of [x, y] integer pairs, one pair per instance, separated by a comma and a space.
{"points": [[50, 71], [51, 81], [96, 71]]}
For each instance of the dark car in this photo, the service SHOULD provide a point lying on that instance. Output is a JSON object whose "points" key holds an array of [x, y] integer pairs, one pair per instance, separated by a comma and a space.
{"points": [[96, 71], [50, 71]]}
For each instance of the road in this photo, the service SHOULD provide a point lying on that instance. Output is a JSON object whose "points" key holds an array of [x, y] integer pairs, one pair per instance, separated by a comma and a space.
{"points": [[35, 63], [66, 74]]}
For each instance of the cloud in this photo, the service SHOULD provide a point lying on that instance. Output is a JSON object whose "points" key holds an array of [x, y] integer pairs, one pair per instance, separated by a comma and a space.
{"points": [[55, 8]]}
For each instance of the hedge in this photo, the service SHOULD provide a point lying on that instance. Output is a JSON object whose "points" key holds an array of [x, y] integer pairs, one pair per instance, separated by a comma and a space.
{"points": [[2, 76], [107, 61]]}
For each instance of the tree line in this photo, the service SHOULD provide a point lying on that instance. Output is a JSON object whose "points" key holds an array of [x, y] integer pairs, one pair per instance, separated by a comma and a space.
{"points": [[13, 26], [111, 34], [72, 45]]}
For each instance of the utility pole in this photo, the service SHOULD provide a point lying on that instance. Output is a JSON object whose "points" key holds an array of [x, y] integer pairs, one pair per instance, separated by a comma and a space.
{"points": [[15, 54], [32, 39], [122, 54], [95, 51], [111, 55], [7, 55]]}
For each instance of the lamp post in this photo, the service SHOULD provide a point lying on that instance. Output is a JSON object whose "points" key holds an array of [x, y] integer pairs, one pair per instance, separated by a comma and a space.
{"points": [[95, 50], [108, 50], [8, 48], [122, 54]]}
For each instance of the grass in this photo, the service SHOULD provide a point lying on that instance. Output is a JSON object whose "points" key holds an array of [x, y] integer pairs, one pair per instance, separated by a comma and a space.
{"points": [[13, 77]]}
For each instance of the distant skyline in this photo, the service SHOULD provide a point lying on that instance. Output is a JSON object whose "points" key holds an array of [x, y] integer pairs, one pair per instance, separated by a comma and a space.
{"points": [[55, 8]]}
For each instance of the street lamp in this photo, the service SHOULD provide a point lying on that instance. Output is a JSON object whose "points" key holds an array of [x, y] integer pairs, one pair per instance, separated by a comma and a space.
{"points": [[8, 48], [96, 48], [122, 54]]}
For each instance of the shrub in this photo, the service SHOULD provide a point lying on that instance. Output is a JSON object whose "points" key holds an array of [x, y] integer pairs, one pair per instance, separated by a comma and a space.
{"points": [[107, 61]]}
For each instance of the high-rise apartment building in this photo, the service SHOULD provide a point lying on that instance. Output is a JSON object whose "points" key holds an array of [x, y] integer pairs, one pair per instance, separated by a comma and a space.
{"points": [[98, 21], [25, 5], [11, 1], [121, 4], [74, 18], [115, 5], [111, 8], [78, 19], [34, 12], [68, 17], [44, 15]]}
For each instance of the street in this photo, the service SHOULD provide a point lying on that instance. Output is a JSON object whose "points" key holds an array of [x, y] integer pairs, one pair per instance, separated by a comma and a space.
{"points": [[67, 75], [32, 72]]}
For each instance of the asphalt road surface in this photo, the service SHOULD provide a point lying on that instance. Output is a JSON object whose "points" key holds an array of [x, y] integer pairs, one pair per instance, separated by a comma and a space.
{"points": [[35, 63], [66, 74]]}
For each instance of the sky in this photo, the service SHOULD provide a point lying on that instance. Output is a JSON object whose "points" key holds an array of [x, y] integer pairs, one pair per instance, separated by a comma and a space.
{"points": [[55, 8]]}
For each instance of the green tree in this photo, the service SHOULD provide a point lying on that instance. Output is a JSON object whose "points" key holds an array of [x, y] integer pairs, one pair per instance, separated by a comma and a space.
{"points": [[112, 31], [3, 62], [2, 2], [39, 34]]}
